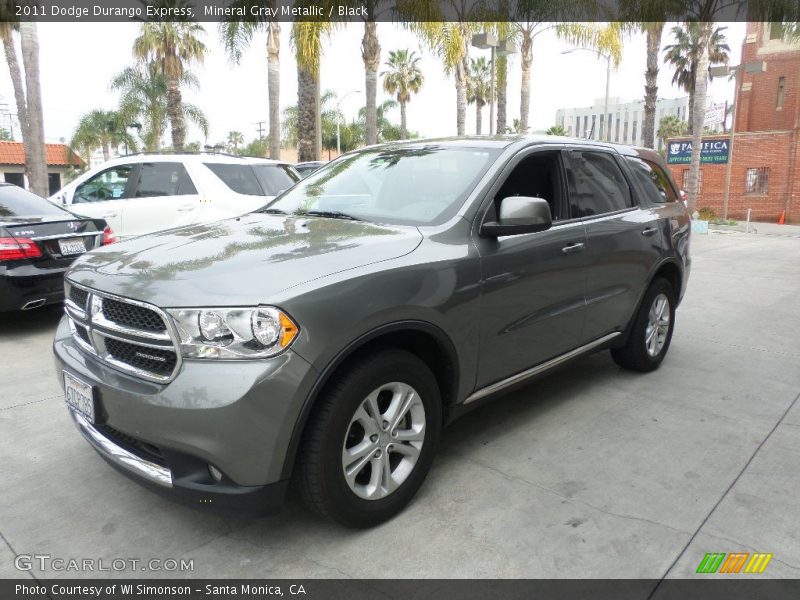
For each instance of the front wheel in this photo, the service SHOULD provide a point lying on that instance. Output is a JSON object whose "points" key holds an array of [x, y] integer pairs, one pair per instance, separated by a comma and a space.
{"points": [[371, 441], [651, 332]]}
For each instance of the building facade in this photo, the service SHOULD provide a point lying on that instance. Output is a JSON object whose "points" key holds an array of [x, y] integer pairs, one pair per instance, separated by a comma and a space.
{"points": [[60, 160], [625, 119], [765, 154]]}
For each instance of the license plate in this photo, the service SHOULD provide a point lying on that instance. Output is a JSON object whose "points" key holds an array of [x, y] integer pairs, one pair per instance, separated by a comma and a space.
{"points": [[69, 247], [79, 396]]}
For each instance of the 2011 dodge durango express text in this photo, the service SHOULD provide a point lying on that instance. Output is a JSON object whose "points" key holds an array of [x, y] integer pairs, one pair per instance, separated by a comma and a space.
{"points": [[326, 338]]}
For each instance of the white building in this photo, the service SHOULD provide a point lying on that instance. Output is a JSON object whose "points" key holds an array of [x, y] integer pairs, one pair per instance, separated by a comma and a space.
{"points": [[625, 118]]}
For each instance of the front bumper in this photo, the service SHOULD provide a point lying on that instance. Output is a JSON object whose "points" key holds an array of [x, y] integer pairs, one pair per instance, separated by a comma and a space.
{"points": [[235, 415]]}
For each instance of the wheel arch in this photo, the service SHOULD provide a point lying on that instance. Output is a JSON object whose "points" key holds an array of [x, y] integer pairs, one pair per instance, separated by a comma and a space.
{"points": [[421, 338]]}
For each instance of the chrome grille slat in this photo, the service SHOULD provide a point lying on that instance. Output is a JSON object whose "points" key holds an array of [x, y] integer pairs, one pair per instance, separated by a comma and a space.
{"points": [[151, 353]]}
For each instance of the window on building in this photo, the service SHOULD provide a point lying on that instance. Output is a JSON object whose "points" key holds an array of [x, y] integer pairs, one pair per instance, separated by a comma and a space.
{"points": [[633, 135], [585, 125], [685, 181], [776, 30], [602, 126], [756, 180], [616, 135], [625, 131], [593, 132], [781, 92]]}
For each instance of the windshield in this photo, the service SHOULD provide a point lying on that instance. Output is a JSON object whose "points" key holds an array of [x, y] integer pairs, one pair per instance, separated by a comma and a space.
{"points": [[16, 202], [422, 185]]}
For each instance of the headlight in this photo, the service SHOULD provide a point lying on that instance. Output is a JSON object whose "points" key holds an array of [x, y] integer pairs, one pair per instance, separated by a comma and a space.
{"points": [[230, 333]]}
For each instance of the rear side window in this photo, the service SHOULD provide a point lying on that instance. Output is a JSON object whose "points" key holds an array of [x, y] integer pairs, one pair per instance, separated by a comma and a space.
{"points": [[163, 179], [16, 202], [596, 184], [275, 178], [653, 180], [239, 178]]}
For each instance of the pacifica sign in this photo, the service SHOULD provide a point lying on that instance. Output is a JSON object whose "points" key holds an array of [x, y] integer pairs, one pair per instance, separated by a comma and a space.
{"points": [[711, 151]]}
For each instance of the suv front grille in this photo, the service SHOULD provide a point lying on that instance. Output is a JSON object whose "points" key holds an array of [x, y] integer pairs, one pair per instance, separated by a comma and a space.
{"points": [[128, 335], [141, 357], [133, 316]]}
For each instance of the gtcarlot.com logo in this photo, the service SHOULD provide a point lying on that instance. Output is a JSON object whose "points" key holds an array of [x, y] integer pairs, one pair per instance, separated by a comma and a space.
{"points": [[734, 562], [47, 562]]}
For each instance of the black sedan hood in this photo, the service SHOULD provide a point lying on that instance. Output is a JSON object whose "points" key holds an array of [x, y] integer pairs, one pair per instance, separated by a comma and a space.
{"points": [[242, 261]]}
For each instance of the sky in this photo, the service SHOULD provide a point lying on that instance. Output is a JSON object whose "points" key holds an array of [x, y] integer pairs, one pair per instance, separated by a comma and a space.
{"points": [[77, 61]]}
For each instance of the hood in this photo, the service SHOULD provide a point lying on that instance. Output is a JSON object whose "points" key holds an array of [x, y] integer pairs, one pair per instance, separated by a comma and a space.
{"points": [[242, 261]]}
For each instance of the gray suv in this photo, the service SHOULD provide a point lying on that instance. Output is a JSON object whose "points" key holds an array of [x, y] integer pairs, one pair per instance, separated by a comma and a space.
{"points": [[326, 338]]}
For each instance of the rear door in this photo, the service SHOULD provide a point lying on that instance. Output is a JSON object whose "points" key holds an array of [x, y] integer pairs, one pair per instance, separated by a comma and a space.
{"points": [[623, 240], [163, 196], [103, 195]]}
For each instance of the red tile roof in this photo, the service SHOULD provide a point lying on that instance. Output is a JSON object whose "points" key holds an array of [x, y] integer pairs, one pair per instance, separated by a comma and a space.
{"points": [[58, 155]]}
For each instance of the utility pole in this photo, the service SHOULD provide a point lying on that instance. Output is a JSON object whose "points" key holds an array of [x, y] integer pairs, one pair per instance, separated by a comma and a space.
{"points": [[260, 125]]}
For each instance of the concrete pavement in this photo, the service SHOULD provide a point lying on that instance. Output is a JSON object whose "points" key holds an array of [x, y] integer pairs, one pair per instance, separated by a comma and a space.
{"points": [[590, 472]]}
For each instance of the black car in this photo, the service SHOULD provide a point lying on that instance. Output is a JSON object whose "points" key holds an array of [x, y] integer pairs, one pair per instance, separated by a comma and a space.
{"points": [[38, 241]]}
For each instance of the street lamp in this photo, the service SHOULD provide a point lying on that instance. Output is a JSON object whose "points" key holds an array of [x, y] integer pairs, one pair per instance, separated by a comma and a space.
{"points": [[724, 71], [483, 41], [605, 119], [338, 118]]}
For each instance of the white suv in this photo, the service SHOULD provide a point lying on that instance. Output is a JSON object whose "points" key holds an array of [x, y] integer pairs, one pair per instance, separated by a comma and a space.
{"points": [[143, 193]]}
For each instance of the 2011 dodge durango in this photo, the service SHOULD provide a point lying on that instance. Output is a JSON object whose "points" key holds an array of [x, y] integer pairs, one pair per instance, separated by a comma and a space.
{"points": [[326, 338]]}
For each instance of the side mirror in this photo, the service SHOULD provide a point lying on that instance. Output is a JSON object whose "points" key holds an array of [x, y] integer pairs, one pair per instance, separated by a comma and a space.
{"points": [[519, 214]]}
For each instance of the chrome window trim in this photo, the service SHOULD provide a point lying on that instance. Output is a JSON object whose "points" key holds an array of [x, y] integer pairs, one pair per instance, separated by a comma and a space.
{"points": [[99, 330]]}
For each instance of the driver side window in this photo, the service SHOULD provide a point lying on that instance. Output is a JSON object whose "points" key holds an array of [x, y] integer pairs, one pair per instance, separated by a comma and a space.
{"points": [[109, 184], [537, 176]]}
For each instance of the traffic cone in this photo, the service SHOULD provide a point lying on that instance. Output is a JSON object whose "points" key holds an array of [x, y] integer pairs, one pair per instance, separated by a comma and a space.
{"points": [[782, 220]]}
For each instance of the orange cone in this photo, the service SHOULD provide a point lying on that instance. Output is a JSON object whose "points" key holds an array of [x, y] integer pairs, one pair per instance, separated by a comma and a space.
{"points": [[782, 220]]}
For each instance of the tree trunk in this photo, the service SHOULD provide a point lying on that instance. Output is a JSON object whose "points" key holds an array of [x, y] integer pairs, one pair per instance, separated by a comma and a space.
{"points": [[526, 51], [36, 160], [502, 93], [690, 116], [317, 117], [19, 92], [478, 118], [654, 31], [403, 123], [106, 151], [699, 113], [371, 54], [174, 102], [274, 88], [461, 97], [306, 138]]}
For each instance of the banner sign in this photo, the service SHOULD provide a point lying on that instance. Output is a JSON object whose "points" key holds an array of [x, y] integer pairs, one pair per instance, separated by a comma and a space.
{"points": [[712, 151], [715, 115]]}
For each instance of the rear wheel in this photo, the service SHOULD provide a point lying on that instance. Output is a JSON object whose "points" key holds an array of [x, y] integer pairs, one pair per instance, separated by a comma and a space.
{"points": [[651, 332], [371, 441]]}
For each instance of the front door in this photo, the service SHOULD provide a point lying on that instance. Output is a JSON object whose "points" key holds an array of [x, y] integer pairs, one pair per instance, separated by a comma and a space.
{"points": [[103, 195], [163, 197], [533, 284]]}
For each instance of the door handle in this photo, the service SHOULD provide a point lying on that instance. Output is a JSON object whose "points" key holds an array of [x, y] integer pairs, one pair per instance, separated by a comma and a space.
{"points": [[110, 215], [573, 248], [649, 231], [186, 207]]}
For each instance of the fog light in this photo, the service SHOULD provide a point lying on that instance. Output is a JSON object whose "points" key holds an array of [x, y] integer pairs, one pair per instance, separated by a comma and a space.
{"points": [[215, 473]]}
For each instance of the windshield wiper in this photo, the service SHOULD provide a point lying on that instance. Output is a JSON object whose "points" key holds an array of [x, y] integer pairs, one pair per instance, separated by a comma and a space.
{"points": [[328, 214], [271, 211]]}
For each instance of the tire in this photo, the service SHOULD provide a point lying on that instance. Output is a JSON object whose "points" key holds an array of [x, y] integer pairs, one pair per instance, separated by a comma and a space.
{"points": [[343, 436], [638, 354]]}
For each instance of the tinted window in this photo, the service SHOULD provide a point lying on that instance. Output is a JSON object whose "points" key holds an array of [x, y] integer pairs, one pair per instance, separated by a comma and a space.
{"points": [[106, 185], [415, 184], [536, 176], [275, 178], [160, 179], [653, 180], [16, 202], [238, 178], [596, 184]]}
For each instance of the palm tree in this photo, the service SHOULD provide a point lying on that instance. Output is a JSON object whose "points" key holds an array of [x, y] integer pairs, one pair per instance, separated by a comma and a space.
{"points": [[102, 129], [144, 99], [386, 130], [402, 79], [173, 47], [7, 30], [371, 55], [236, 36], [670, 127], [501, 73], [653, 32], [556, 130], [478, 88], [685, 57], [235, 139], [307, 42]]}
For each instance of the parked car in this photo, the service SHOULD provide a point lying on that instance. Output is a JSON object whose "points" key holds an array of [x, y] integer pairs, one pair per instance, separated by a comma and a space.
{"points": [[143, 193], [307, 168], [38, 241], [329, 336]]}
